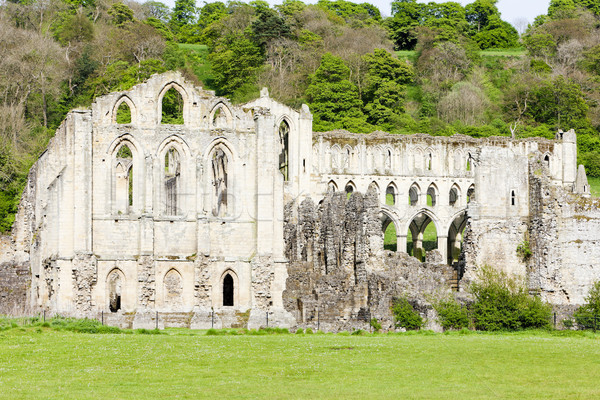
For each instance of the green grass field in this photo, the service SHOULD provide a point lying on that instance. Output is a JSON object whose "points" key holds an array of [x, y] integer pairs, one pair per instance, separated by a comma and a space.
{"points": [[594, 186], [38, 363], [411, 55]]}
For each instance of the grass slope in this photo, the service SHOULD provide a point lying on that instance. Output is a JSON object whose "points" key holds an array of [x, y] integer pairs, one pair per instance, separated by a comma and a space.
{"points": [[187, 365]]}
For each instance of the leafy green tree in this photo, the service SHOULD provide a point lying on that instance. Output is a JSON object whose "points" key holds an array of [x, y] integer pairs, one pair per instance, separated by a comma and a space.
{"points": [[333, 99], [385, 92], [267, 26], [74, 28], [183, 18], [588, 315], [406, 16], [540, 45], [211, 12], [559, 102], [480, 12], [559, 9], [120, 13], [235, 63], [497, 34]]}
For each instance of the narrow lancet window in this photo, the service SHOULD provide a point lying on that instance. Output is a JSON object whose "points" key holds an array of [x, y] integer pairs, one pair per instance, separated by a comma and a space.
{"points": [[220, 172], [172, 173], [284, 131]]}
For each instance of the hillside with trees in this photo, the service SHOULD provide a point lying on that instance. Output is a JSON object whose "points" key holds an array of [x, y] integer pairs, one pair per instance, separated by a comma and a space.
{"points": [[440, 69]]}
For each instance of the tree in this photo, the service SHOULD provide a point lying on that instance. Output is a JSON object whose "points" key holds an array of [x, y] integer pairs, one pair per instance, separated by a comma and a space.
{"points": [[211, 12], [268, 26], [182, 19], [235, 63], [406, 16], [385, 91], [121, 13], [559, 102], [333, 99], [157, 10], [479, 12]]}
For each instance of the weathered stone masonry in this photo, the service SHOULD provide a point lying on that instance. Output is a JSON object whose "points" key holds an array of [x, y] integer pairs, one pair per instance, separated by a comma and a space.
{"points": [[242, 213]]}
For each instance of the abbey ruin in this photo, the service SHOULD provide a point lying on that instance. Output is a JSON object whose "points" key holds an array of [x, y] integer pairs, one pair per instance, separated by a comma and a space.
{"points": [[243, 216]]}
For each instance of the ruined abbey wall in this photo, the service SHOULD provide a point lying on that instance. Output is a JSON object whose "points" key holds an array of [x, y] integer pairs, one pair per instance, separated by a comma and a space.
{"points": [[242, 214]]}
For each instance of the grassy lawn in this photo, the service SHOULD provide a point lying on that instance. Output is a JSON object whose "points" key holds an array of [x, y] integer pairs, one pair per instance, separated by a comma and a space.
{"points": [[516, 52], [188, 365], [594, 186]]}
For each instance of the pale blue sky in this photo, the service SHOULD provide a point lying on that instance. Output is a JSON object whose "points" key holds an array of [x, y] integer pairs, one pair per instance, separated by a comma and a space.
{"points": [[510, 9]]}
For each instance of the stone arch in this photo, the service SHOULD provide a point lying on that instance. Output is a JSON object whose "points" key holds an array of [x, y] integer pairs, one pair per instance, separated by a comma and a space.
{"points": [[391, 194], [470, 166], [335, 158], [471, 193], [374, 186], [115, 283], [349, 188], [455, 232], [220, 160], [332, 186], [454, 195], [414, 193], [229, 286], [389, 227], [132, 110], [418, 226], [173, 160], [432, 195], [284, 134], [428, 159], [173, 290], [184, 99], [220, 117], [347, 158], [125, 175], [547, 160], [388, 154]]}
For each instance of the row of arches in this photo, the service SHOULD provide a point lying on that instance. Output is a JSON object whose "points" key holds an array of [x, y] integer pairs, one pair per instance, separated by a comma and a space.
{"points": [[423, 234], [388, 159], [173, 159], [414, 193], [173, 103], [172, 289]]}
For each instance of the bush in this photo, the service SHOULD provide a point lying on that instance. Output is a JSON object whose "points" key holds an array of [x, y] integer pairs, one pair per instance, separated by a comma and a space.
{"points": [[502, 303], [309, 331], [375, 325], [405, 315], [452, 315], [587, 315], [299, 331]]}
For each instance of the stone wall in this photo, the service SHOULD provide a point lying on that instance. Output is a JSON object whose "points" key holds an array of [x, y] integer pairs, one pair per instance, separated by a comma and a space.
{"points": [[15, 280], [339, 275]]}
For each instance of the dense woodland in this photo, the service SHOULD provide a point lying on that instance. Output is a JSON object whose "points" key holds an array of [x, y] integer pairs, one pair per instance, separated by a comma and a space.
{"points": [[430, 68]]}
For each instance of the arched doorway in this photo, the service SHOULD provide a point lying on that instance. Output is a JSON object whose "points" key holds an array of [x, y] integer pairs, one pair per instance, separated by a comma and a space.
{"points": [[421, 236], [228, 291], [390, 235]]}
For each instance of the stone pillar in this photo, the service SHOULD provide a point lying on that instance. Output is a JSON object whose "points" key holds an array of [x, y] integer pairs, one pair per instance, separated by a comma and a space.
{"points": [[443, 246], [401, 242]]}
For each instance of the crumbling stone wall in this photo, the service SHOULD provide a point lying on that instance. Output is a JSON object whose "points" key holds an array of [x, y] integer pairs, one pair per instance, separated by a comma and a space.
{"points": [[15, 279], [564, 237], [339, 276]]}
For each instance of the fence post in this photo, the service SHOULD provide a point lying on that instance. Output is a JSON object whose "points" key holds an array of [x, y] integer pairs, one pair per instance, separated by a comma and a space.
{"points": [[44, 315], [102, 316], [267, 318], [554, 320], [595, 322], [212, 317], [157, 320]]}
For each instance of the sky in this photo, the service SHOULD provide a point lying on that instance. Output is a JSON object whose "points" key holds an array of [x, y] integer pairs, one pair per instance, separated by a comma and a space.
{"points": [[511, 10]]}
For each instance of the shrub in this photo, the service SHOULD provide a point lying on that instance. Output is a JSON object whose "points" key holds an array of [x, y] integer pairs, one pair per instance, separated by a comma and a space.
{"points": [[451, 314], [502, 303], [587, 315], [524, 251], [299, 331], [375, 325], [309, 331], [405, 315]]}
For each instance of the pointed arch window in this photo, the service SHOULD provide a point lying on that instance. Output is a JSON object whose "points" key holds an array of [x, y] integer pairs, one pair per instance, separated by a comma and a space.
{"points": [[172, 107], [172, 172], [123, 113], [124, 188], [220, 172], [114, 288], [284, 132]]}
